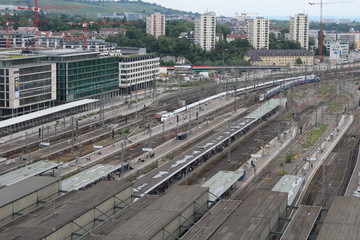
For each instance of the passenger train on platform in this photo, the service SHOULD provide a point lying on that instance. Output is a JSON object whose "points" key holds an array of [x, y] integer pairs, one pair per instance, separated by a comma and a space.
{"points": [[281, 84]]}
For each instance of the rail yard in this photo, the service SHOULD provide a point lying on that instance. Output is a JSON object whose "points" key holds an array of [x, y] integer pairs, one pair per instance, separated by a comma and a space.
{"points": [[240, 159]]}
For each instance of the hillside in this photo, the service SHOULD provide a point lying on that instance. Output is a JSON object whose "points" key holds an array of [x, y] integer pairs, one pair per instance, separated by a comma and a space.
{"points": [[92, 9]]}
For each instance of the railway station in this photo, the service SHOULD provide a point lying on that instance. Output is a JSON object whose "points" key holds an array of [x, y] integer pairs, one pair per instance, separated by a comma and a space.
{"points": [[157, 181]]}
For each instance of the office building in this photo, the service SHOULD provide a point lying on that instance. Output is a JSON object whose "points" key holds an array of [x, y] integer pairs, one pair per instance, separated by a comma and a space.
{"points": [[205, 31], [299, 29], [27, 84], [137, 72], [83, 74], [155, 24], [258, 32]]}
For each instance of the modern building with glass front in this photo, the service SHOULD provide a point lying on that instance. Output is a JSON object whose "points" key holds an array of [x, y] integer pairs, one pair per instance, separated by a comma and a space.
{"points": [[83, 74], [27, 84]]}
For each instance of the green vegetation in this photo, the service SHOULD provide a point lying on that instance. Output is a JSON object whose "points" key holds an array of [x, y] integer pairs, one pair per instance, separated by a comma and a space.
{"points": [[282, 173], [170, 45], [282, 44], [99, 7], [298, 93], [337, 104], [314, 135], [323, 91], [289, 157]]}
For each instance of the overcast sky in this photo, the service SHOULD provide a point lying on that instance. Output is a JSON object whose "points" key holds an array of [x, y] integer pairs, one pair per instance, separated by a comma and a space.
{"points": [[265, 7]]}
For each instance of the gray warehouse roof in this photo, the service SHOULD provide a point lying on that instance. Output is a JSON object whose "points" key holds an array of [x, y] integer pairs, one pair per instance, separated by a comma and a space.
{"points": [[158, 214], [343, 220], [250, 218], [42, 222], [24, 188]]}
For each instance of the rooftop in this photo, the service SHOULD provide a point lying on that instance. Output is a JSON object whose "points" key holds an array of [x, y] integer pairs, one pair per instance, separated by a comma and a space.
{"points": [[289, 184], [252, 216], [257, 54], [45, 112], [302, 223], [26, 172], [49, 218], [157, 215], [87, 176], [266, 107], [342, 221], [221, 182], [24, 188]]}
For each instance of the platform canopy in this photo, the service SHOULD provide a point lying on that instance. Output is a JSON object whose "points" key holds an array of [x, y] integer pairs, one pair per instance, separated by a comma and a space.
{"points": [[220, 183], [266, 107], [26, 172], [45, 112], [289, 184], [87, 177]]}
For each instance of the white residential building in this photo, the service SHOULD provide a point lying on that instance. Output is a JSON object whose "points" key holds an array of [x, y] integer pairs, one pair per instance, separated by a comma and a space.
{"points": [[258, 32], [205, 31], [155, 24], [299, 29]]}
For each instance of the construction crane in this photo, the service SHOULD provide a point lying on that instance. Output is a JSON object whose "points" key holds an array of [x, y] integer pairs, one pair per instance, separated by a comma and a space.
{"points": [[86, 25], [6, 22], [321, 3]]}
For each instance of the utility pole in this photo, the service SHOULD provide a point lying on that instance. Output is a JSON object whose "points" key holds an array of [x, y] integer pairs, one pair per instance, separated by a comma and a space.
{"points": [[229, 144]]}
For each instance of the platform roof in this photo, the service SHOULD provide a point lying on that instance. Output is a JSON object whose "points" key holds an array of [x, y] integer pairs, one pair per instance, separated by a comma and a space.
{"points": [[266, 107], [158, 176], [42, 221], [221, 182], [157, 215], [24, 188], [251, 217], [87, 176], [302, 223], [45, 112], [289, 184], [342, 221], [26, 172]]}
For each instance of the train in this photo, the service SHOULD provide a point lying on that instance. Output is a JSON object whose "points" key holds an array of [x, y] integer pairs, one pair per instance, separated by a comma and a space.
{"points": [[281, 84], [288, 84]]}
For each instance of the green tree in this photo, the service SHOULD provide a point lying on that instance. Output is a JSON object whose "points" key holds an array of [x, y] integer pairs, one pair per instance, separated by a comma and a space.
{"points": [[298, 61]]}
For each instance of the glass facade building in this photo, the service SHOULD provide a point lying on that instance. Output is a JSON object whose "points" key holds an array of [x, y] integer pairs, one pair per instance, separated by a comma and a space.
{"points": [[82, 74]]}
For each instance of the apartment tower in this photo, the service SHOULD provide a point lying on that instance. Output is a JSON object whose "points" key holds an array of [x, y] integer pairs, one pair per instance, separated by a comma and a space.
{"points": [[155, 24], [258, 32], [299, 29], [205, 31]]}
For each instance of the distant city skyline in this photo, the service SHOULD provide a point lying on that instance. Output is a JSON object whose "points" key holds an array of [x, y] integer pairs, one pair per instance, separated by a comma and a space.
{"points": [[275, 8]]}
